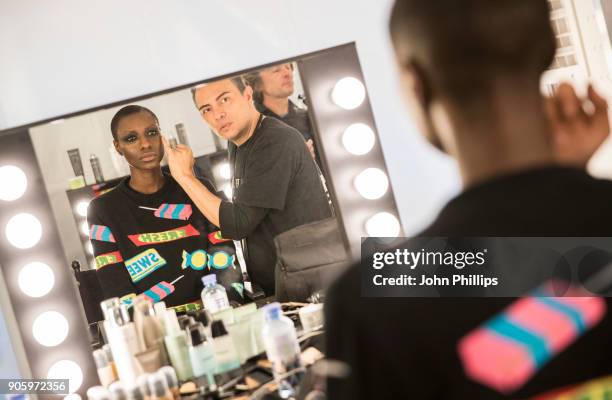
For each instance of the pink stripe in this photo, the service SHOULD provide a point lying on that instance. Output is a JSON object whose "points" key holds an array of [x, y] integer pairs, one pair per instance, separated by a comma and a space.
{"points": [[159, 291], [495, 361], [186, 212], [591, 308], [553, 326], [166, 286], [100, 232], [169, 211]]}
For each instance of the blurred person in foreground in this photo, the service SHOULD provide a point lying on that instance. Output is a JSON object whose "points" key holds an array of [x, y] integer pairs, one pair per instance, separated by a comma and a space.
{"points": [[470, 71]]}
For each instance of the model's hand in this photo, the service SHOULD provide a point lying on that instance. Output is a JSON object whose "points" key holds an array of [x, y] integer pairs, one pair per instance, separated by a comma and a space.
{"points": [[579, 126], [310, 145], [180, 160]]}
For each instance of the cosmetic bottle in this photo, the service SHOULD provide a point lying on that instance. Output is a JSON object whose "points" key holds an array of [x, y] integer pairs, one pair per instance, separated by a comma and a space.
{"points": [[111, 361], [201, 354], [117, 391], [105, 370], [143, 383], [160, 311], [172, 381], [226, 358], [150, 336], [159, 388], [124, 343], [98, 393], [105, 306], [136, 393], [214, 296], [176, 344]]}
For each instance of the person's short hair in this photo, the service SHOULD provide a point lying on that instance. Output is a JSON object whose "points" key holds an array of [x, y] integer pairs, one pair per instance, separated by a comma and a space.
{"points": [[127, 111], [237, 80], [253, 79], [465, 44]]}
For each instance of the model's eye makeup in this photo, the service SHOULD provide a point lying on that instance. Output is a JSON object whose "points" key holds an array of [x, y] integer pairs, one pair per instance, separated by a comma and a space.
{"points": [[129, 138]]}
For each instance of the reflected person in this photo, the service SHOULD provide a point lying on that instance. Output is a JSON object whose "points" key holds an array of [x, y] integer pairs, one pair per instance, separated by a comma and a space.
{"points": [[272, 88], [147, 235], [276, 186]]}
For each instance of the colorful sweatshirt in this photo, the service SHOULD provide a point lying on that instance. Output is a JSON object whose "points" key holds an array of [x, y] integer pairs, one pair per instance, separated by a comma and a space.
{"points": [[158, 244]]}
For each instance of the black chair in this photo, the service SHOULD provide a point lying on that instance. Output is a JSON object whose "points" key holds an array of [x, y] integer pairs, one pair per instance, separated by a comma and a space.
{"points": [[91, 296]]}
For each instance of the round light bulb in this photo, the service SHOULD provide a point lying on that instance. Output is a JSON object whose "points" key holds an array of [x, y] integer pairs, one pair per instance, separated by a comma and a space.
{"points": [[372, 183], [85, 228], [36, 279], [358, 139], [13, 183], [67, 369], [23, 230], [224, 171], [50, 328], [81, 208], [348, 93], [383, 224]]}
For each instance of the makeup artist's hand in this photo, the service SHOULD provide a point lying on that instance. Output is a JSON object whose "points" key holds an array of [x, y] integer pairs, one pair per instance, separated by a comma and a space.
{"points": [[579, 125], [180, 160]]}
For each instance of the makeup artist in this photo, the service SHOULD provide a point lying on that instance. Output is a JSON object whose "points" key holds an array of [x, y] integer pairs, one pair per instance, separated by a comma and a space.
{"points": [[276, 185]]}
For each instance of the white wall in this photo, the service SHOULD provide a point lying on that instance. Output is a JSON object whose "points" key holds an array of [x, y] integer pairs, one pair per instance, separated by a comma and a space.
{"points": [[68, 55]]}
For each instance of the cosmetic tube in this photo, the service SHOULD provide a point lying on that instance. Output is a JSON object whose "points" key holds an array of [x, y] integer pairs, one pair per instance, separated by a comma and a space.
{"points": [[176, 344]]}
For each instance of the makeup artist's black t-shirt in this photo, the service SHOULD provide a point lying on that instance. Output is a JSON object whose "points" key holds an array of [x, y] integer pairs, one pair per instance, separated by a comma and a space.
{"points": [[147, 241], [296, 118], [407, 347], [278, 188]]}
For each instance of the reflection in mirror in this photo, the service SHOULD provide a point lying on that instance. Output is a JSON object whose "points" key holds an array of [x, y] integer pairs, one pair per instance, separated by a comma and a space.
{"points": [[135, 216], [210, 196]]}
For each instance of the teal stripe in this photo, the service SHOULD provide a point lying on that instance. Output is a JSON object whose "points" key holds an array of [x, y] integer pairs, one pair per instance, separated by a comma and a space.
{"points": [[535, 344], [177, 211], [163, 210], [95, 232], [574, 315], [106, 234]]}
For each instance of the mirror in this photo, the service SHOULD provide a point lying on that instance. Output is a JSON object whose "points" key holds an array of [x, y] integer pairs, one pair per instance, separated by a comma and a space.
{"points": [[141, 226]]}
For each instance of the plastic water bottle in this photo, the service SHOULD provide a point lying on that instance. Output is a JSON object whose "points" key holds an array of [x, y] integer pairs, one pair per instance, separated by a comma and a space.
{"points": [[282, 349], [214, 296]]}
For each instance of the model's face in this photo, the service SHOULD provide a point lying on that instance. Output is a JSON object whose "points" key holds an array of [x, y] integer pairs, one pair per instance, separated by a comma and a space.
{"points": [[139, 141], [277, 81], [225, 109]]}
